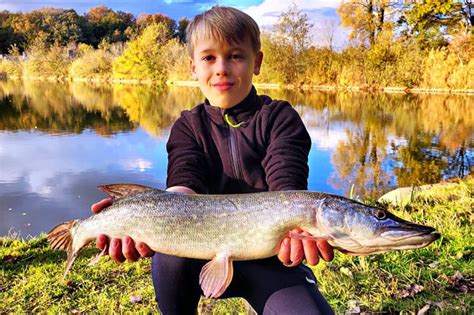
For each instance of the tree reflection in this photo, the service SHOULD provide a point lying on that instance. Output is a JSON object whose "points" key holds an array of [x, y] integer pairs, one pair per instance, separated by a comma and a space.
{"points": [[53, 108], [155, 109], [399, 139]]}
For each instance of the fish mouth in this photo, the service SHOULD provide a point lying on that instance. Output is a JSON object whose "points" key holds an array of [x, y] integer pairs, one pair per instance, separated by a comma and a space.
{"points": [[413, 233], [397, 239], [410, 238]]}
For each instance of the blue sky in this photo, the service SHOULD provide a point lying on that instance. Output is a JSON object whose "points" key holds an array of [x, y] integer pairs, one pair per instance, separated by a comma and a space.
{"points": [[265, 12]]}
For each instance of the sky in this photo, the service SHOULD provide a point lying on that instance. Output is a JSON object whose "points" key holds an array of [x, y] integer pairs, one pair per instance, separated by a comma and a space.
{"points": [[320, 12]]}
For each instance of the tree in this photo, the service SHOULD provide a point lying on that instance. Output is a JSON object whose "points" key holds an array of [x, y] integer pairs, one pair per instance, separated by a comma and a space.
{"points": [[430, 21], [294, 26], [288, 44], [181, 30], [104, 23], [145, 57], [366, 18], [145, 19], [60, 26], [327, 33]]}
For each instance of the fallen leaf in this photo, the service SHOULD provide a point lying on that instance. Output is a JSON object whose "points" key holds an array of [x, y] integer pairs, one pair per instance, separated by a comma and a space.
{"points": [[411, 290], [434, 265], [461, 282], [10, 258], [423, 310], [135, 299], [353, 307], [347, 272]]}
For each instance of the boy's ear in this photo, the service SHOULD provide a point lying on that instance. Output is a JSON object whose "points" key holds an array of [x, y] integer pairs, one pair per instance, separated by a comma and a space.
{"points": [[258, 63], [192, 66]]}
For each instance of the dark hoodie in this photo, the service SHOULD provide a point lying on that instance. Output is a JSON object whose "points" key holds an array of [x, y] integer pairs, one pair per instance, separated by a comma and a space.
{"points": [[262, 145]]}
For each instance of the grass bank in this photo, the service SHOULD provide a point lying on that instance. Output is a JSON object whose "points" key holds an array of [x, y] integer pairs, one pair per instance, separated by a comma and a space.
{"points": [[439, 278]]}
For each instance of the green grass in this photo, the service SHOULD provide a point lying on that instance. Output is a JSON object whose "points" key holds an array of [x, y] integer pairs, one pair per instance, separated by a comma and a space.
{"points": [[440, 276]]}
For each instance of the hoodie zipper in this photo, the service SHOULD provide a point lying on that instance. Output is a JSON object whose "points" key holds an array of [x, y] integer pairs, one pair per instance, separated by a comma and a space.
{"points": [[233, 149]]}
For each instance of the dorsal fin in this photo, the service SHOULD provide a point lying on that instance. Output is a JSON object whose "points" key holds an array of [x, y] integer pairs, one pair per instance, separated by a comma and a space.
{"points": [[118, 191]]}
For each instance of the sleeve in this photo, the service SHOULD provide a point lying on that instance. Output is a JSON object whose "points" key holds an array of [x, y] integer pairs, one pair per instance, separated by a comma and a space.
{"points": [[286, 159], [187, 164]]}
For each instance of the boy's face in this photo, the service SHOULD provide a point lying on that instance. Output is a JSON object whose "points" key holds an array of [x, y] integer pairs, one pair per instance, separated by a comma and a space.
{"points": [[225, 71]]}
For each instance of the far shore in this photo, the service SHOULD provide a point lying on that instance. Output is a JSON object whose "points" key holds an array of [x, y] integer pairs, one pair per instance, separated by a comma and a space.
{"points": [[269, 86]]}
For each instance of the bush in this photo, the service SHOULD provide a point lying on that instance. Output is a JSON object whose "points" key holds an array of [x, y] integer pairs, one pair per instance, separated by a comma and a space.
{"points": [[46, 63], [93, 64], [145, 58], [10, 68]]}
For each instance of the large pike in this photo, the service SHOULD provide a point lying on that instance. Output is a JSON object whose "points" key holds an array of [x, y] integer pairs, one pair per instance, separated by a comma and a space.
{"points": [[223, 228]]}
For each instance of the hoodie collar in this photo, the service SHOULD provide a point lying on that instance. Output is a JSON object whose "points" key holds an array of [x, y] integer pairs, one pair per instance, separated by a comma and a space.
{"points": [[240, 113]]}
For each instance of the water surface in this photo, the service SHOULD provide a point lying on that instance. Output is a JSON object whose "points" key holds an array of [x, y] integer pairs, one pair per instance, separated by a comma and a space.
{"points": [[59, 141]]}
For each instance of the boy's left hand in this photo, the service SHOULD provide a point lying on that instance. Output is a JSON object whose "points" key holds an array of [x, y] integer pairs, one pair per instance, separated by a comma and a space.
{"points": [[292, 251]]}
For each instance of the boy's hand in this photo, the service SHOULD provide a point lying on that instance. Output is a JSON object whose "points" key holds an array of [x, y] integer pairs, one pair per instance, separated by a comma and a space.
{"points": [[292, 251], [120, 249]]}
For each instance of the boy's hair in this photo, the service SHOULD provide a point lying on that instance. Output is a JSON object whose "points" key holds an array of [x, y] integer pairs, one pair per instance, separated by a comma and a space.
{"points": [[224, 24]]}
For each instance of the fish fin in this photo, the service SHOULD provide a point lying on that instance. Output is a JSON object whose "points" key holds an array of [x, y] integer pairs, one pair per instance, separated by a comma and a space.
{"points": [[118, 191], [99, 256], [299, 236], [216, 276], [60, 238]]}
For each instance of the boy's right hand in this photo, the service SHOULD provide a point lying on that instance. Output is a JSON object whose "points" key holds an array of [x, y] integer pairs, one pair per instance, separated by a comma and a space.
{"points": [[120, 249]]}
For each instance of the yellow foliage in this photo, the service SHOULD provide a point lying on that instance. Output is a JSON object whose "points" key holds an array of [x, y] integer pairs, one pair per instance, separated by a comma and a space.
{"points": [[93, 64]]}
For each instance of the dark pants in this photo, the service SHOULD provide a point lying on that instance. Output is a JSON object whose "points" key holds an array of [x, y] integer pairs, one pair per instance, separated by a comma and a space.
{"points": [[266, 284]]}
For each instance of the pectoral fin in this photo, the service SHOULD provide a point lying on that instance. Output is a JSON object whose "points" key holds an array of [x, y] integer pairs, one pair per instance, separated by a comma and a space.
{"points": [[99, 256], [216, 276], [118, 191], [299, 236]]}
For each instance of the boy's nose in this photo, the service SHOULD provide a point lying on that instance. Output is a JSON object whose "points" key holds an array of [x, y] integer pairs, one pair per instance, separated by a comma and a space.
{"points": [[221, 67]]}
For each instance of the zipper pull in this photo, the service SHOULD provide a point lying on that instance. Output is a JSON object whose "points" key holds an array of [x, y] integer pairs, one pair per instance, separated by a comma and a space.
{"points": [[233, 125]]}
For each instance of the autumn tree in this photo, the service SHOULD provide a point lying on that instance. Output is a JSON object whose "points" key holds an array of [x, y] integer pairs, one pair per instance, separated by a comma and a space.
{"points": [[430, 21], [104, 23], [181, 29], [146, 57], [8, 36], [60, 26], [366, 18], [145, 19], [288, 44]]}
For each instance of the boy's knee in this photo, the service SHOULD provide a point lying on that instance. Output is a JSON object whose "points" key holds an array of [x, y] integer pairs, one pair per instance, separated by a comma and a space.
{"points": [[301, 300]]}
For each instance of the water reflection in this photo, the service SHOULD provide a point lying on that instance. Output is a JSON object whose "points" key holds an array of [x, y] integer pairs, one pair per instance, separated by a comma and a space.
{"points": [[58, 141]]}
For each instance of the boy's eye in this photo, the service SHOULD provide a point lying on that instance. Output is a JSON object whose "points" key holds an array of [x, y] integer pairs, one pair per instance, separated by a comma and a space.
{"points": [[207, 58], [236, 56]]}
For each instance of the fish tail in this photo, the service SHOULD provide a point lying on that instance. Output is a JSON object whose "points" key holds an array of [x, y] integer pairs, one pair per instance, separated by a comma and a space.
{"points": [[60, 237]]}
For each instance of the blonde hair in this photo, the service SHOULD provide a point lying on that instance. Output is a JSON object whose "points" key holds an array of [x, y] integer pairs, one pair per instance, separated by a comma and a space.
{"points": [[224, 24]]}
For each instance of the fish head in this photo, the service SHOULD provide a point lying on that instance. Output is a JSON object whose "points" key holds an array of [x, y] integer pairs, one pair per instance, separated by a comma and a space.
{"points": [[359, 229]]}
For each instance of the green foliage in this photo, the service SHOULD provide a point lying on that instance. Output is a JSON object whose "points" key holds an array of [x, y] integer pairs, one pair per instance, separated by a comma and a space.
{"points": [[145, 57], [399, 282]]}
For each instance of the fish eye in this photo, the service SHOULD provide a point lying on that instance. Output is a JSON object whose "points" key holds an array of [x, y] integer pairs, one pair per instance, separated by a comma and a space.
{"points": [[380, 214]]}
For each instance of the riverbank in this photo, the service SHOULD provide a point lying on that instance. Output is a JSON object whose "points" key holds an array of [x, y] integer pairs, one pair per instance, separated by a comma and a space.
{"points": [[267, 86], [305, 87], [439, 278]]}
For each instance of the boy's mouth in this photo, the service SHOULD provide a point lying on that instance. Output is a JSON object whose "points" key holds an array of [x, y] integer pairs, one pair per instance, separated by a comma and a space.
{"points": [[223, 86]]}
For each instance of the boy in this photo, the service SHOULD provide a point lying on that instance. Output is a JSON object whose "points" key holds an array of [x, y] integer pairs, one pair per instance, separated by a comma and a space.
{"points": [[235, 142]]}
